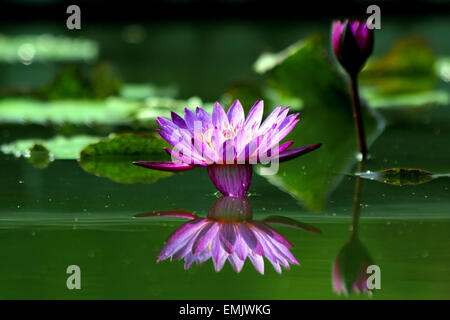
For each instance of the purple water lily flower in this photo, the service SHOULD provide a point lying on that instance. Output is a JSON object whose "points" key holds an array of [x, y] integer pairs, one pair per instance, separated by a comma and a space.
{"points": [[229, 233], [227, 144], [352, 44]]}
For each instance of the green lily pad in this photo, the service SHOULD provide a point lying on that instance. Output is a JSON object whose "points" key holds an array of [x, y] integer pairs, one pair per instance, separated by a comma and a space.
{"points": [[398, 176], [113, 157], [409, 66], [39, 156], [142, 91], [58, 147], [412, 99], [75, 82], [109, 111], [46, 47], [302, 71]]}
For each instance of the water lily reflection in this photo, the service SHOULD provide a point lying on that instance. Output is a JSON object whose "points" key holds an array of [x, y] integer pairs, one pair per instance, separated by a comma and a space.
{"points": [[230, 233], [350, 266]]}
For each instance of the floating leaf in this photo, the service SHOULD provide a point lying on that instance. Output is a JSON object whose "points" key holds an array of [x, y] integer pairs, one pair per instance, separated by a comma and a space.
{"points": [[132, 91], [126, 144], [109, 111], [407, 67], [39, 156], [112, 157], [303, 72], [443, 68], [59, 147], [415, 99], [398, 176], [46, 47]]}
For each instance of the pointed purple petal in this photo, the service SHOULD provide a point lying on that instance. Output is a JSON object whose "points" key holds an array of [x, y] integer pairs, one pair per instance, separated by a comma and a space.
{"points": [[236, 115], [204, 117], [247, 235], [179, 121], [189, 118], [293, 153], [254, 116], [240, 248], [236, 263], [191, 161], [205, 237], [258, 262], [227, 237], [269, 121], [164, 166], [219, 117]]}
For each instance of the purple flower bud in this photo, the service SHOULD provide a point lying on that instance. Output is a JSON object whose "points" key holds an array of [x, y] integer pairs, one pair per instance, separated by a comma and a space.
{"points": [[352, 44], [350, 269]]}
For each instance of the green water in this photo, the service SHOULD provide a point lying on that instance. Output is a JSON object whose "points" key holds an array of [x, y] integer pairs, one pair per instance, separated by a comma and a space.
{"points": [[62, 215]]}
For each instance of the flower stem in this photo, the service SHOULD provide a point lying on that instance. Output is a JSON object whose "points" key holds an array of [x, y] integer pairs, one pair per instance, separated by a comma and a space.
{"points": [[359, 126]]}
